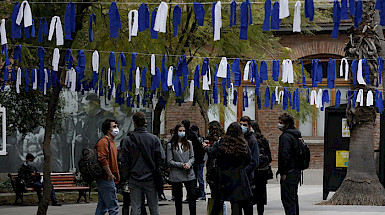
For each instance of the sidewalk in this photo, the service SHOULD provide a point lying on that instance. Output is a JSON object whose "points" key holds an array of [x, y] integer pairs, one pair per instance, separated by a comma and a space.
{"points": [[309, 196]]}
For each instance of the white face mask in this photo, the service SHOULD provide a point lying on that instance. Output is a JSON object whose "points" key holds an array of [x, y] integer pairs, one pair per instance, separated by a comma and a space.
{"points": [[115, 132]]}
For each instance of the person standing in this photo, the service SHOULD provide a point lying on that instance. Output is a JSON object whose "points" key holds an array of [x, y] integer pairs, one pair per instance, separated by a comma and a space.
{"points": [[214, 134], [287, 167], [199, 152], [248, 132], [232, 156], [261, 174], [141, 158], [180, 158], [108, 158], [199, 174]]}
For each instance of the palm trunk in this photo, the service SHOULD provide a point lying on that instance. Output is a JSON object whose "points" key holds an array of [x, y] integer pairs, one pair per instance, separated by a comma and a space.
{"points": [[361, 185]]}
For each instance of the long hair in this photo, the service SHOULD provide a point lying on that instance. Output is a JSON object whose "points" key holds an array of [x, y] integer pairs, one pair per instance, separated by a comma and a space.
{"points": [[175, 139], [216, 131], [257, 130], [234, 142]]}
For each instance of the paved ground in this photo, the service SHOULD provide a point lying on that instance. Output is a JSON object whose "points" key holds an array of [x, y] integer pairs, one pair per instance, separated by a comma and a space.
{"points": [[309, 196]]}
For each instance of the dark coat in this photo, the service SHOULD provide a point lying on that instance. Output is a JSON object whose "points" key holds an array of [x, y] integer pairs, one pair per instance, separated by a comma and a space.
{"points": [[140, 171], [235, 185], [287, 150], [254, 148], [199, 152], [25, 173]]}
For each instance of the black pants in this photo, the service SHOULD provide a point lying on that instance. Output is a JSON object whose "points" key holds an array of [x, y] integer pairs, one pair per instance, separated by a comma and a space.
{"points": [[245, 205], [178, 194], [217, 206], [289, 192]]}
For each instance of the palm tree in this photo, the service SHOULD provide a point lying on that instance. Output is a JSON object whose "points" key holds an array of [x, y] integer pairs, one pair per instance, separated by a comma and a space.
{"points": [[361, 185]]}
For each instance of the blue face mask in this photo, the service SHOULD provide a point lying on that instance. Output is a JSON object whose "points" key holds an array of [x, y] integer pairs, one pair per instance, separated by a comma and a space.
{"points": [[181, 134], [244, 129]]}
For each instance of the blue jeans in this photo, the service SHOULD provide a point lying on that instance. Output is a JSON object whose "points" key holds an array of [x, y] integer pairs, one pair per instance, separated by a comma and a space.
{"points": [[201, 181], [137, 190], [107, 200]]}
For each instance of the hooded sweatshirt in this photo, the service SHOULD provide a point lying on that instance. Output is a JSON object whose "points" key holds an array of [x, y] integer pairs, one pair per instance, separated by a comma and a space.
{"points": [[288, 142]]}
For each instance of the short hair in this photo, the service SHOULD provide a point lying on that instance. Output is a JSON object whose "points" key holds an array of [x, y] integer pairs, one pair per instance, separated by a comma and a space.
{"points": [[287, 119], [30, 156], [195, 128], [107, 125], [246, 119], [139, 119], [186, 124]]}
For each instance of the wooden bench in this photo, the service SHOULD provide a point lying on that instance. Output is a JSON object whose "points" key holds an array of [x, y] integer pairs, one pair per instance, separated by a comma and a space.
{"points": [[65, 181]]}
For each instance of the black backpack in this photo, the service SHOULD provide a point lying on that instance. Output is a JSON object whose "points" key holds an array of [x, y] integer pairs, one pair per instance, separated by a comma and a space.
{"points": [[303, 160], [89, 166]]}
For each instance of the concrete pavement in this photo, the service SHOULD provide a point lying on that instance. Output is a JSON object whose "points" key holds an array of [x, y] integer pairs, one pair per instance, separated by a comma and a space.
{"points": [[309, 196]]}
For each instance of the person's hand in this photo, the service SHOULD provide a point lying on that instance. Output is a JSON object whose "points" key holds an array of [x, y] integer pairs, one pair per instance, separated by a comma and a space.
{"points": [[79, 138], [34, 174], [283, 177], [186, 166], [111, 177]]}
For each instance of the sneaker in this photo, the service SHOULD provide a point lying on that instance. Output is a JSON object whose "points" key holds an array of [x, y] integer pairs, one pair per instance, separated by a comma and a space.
{"points": [[56, 204], [202, 199]]}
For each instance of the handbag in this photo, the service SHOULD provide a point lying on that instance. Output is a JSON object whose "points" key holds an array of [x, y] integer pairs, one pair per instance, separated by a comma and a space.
{"points": [[156, 174]]}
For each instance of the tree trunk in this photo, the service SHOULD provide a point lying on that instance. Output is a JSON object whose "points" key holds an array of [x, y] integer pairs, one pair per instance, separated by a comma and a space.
{"points": [[52, 107], [361, 185]]}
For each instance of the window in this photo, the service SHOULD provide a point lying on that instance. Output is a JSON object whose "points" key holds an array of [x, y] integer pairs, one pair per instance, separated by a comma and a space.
{"points": [[314, 127]]}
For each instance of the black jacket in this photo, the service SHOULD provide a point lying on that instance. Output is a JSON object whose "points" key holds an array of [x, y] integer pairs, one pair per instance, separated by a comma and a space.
{"points": [[25, 173], [140, 171], [254, 148], [235, 185], [287, 151], [199, 152]]}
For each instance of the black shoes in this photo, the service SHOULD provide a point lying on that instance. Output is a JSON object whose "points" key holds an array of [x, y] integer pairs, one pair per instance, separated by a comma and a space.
{"points": [[56, 204]]}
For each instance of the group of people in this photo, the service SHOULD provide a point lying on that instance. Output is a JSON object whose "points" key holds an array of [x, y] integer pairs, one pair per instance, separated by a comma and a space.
{"points": [[238, 166]]}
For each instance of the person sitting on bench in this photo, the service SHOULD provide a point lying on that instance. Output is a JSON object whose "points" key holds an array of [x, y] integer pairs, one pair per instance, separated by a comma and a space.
{"points": [[32, 178]]}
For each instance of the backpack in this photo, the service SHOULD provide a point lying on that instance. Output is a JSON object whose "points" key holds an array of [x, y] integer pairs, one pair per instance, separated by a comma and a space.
{"points": [[303, 160], [89, 166]]}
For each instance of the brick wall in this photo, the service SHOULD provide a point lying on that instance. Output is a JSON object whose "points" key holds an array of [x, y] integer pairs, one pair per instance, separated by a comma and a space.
{"points": [[175, 114]]}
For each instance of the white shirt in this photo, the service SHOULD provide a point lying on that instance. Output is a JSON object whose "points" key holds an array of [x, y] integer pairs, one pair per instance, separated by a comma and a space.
{"points": [[283, 9], [218, 21], [287, 72], [222, 69], [132, 27], [280, 97], [95, 61], [369, 98], [153, 64], [161, 18], [319, 99], [313, 97], [246, 71], [360, 97], [24, 11], [18, 80], [137, 81], [170, 75], [55, 59], [297, 17], [191, 98], [3, 33], [360, 78], [56, 24]]}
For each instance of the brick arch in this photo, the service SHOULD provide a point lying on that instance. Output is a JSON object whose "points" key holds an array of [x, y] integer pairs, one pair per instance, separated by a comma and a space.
{"points": [[309, 48]]}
